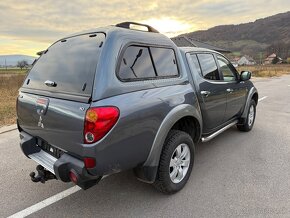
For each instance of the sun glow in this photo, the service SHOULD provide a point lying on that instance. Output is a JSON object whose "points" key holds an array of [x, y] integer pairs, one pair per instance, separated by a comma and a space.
{"points": [[169, 26]]}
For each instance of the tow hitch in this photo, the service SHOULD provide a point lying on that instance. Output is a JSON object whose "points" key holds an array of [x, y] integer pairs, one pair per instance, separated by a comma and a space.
{"points": [[43, 175]]}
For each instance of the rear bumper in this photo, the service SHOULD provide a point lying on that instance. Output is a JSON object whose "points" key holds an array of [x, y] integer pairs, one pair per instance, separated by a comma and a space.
{"points": [[59, 167]]}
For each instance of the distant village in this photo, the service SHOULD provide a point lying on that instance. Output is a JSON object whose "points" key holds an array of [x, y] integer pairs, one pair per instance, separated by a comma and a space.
{"points": [[248, 60], [243, 60]]}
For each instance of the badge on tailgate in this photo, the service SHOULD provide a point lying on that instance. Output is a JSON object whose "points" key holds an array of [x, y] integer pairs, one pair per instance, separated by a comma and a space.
{"points": [[41, 109]]}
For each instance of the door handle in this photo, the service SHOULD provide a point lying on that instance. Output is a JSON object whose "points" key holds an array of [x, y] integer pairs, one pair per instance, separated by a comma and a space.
{"points": [[205, 93], [230, 90], [50, 83]]}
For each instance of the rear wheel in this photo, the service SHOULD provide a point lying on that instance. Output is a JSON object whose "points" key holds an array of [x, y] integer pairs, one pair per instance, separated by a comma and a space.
{"points": [[248, 123], [176, 162]]}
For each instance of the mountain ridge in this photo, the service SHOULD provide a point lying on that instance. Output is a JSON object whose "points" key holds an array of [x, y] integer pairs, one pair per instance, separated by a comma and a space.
{"points": [[251, 38]]}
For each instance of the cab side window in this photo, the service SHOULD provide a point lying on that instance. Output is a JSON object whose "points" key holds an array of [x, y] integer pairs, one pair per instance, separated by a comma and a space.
{"points": [[208, 66], [227, 70]]}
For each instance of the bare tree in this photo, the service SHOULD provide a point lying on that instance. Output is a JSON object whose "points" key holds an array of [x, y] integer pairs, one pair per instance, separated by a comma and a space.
{"points": [[22, 64]]}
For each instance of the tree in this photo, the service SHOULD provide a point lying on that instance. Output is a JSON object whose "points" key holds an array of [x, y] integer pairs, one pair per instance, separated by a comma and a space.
{"points": [[22, 64]]}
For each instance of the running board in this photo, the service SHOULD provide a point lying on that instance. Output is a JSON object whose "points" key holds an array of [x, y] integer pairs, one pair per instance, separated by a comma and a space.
{"points": [[208, 138]]}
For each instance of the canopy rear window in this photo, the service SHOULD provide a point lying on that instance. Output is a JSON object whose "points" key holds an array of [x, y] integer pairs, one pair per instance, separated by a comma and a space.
{"points": [[70, 64]]}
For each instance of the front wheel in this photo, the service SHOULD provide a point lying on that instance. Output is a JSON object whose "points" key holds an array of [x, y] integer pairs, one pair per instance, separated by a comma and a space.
{"points": [[176, 162], [248, 124]]}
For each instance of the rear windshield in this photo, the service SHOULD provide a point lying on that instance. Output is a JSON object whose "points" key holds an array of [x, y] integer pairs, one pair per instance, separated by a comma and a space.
{"points": [[68, 66]]}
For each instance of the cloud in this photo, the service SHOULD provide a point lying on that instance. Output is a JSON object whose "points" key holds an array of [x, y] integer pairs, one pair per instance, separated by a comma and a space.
{"points": [[43, 22]]}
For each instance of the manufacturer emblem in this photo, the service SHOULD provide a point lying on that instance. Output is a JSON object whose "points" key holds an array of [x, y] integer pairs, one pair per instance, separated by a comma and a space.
{"points": [[40, 123], [42, 105], [41, 109]]}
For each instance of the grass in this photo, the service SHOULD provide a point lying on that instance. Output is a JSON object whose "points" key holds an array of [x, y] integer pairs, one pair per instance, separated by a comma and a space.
{"points": [[11, 80], [9, 85], [267, 70], [12, 71]]}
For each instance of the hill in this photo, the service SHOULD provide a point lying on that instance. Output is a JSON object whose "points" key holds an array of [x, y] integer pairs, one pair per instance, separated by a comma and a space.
{"points": [[270, 34], [11, 60]]}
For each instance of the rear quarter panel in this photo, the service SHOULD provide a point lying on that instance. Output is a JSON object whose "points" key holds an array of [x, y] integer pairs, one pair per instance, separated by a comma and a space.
{"points": [[129, 143]]}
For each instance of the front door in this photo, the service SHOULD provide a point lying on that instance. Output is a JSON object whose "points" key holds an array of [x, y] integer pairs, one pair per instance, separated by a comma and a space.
{"points": [[236, 90]]}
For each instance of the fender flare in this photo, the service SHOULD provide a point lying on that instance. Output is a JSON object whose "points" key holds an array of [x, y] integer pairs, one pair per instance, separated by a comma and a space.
{"points": [[251, 93], [147, 172]]}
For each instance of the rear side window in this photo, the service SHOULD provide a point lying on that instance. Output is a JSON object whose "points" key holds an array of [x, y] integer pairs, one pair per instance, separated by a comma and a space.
{"points": [[136, 64], [70, 63], [142, 62], [208, 66], [196, 63]]}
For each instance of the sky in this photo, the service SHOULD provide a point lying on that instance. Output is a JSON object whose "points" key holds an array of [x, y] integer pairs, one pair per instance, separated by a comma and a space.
{"points": [[29, 26]]}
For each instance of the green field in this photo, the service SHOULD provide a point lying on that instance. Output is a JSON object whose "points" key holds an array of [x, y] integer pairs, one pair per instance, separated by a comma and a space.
{"points": [[9, 85], [267, 70], [13, 71]]}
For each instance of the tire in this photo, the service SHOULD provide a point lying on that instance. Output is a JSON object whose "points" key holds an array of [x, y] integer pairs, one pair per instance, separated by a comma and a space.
{"points": [[177, 143], [248, 123]]}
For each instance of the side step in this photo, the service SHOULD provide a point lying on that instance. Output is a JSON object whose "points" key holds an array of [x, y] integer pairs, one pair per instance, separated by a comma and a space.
{"points": [[210, 137]]}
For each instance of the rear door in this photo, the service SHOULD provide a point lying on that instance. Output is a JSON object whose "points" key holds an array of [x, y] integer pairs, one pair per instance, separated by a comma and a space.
{"points": [[56, 93], [211, 93]]}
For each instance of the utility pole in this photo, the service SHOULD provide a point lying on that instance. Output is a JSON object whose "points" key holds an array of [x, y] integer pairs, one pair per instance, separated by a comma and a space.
{"points": [[5, 64]]}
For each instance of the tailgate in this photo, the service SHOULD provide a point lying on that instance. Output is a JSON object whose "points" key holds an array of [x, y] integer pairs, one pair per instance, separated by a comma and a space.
{"points": [[56, 93], [55, 121]]}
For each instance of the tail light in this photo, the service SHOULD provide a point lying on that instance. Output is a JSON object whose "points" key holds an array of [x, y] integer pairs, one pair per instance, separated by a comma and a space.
{"points": [[98, 122]]}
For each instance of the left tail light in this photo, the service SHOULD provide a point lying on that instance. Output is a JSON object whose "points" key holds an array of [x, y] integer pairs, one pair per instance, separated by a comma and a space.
{"points": [[98, 122]]}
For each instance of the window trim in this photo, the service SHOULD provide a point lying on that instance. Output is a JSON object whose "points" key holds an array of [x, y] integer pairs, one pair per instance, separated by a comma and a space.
{"points": [[121, 55]]}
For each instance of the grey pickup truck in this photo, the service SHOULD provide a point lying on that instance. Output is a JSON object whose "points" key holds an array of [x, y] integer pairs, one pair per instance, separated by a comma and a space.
{"points": [[115, 98]]}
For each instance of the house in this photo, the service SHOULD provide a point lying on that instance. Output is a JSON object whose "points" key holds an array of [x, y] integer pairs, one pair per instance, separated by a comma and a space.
{"points": [[271, 58], [234, 61], [246, 60], [184, 41]]}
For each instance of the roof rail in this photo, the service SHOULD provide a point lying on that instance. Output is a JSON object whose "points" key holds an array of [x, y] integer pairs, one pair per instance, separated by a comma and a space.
{"points": [[127, 26], [40, 52]]}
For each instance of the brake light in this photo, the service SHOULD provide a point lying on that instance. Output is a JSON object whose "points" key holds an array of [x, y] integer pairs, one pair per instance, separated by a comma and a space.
{"points": [[98, 122]]}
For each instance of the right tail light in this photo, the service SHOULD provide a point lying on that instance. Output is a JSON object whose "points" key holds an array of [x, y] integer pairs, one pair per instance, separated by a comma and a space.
{"points": [[98, 122]]}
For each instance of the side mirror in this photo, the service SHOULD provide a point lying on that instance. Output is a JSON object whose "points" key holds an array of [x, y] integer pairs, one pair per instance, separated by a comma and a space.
{"points": [[245, 75]]}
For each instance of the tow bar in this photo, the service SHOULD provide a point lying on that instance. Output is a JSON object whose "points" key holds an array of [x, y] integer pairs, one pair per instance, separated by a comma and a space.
{"points": [[43, 175]]}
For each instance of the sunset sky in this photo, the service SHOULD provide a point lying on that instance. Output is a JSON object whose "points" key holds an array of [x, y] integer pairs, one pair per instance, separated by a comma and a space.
{"points": [[30, 26]]}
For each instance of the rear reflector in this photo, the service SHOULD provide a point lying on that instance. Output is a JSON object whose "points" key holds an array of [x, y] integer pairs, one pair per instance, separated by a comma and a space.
{"points": [[98, 122], [89, 162], [73, 177]]}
